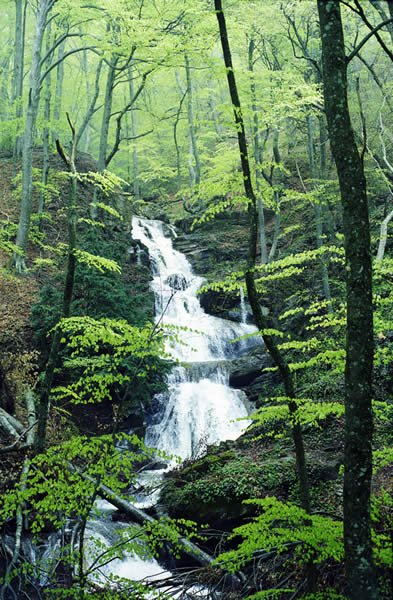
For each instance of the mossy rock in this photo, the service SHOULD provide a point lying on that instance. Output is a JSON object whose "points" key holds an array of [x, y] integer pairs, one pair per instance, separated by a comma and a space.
{"points": [[212, 489]]}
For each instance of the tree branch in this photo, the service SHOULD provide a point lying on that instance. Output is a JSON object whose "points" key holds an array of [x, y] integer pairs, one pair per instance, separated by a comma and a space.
{"points": [[373, 31], [63, 58]]}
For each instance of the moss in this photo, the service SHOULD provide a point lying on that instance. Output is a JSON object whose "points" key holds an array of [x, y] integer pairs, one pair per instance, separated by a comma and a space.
{"points": [[218, 484]]}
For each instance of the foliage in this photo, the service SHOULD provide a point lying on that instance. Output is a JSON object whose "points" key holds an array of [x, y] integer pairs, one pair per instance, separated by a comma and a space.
{"points": [[226, 479], [281, 526], [56, 491], [62, 485], [101, 351], [308, 412]]}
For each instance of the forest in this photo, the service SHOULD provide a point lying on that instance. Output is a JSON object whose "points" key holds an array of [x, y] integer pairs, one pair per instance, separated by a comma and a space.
{"points": [[196, 271]]}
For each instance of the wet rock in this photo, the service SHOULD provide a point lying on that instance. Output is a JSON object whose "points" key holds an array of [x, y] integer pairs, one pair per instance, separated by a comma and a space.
{"points": [[248, 374], [220, 304], [177, 282], [246, 369]]}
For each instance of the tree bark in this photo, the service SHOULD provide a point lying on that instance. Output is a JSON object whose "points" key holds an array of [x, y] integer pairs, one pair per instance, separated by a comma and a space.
{"points": [[105, 121], [260, 320], [46, 385], [359, 566], [135, 169], [28, 140], [90, 109], [46, 133], [59, 90], [194, 166], [191, 124], [20, 19], [318, 213], [257, 152]]}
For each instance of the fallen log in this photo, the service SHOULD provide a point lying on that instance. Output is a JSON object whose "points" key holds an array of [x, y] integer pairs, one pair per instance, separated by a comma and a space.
{"points": [[140, 517]]}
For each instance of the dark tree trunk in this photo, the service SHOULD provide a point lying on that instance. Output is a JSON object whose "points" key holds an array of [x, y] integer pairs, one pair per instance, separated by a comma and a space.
{"points": [[359, 345], [46, 385], [252, 251]]}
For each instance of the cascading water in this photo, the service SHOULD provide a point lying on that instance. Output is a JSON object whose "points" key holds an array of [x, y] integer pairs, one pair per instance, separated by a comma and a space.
{"points": [[243, 307], [199, 406]]}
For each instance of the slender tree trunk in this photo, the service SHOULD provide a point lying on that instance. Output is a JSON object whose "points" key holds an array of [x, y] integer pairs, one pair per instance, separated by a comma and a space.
{"points": [[383, 236], [20, 20], [59, 91], [178, 164], [213, 110], [250, 283], [90, 109], [46, 132], [106, 116], [277, 225], [359, 566], [328, 214], [46, 385], [257, 152], [191, 128], [5, 72], [318, 213], [277, 198], [28, 139], [135, 169]]}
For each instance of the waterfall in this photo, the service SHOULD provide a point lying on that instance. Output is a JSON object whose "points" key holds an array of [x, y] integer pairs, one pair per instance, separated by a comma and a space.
{"points": [[199, 407], [243, 308], [202, 409]]}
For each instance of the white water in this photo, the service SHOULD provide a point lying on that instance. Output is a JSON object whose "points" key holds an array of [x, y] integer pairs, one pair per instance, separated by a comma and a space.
{"points": [[196, 410], [243, 308], [199, 408]]}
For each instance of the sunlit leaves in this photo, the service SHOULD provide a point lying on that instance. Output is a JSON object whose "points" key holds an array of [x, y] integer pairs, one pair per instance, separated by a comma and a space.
{"points": [[281, 527], [100, 347]]}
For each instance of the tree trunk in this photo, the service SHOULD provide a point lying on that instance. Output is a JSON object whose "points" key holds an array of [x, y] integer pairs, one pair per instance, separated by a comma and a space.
{"points": [[106, 117], [318, 213], [277, 225], [90, 109], [59, 91], [46, 385], [5, 71], [46, 139], [196, 177], [28, 138], [277, 197], [257, 152], [359, 566], [135, 169], [249, 276], [20, 20], [213, 110]]}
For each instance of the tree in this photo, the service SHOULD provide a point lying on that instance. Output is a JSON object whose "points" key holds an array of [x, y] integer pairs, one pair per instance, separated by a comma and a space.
{"points": [[249, 275], [359, 348], [20, 21], [37, 76], [44, 7], [47, 380]]}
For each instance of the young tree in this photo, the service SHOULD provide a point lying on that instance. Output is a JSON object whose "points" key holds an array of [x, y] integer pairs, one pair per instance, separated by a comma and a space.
{"points": [[249, 275], [20, 20], [43, 9]]}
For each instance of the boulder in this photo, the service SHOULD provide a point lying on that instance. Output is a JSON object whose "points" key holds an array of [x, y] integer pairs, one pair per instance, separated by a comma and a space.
{"points": [[177, 282]]}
